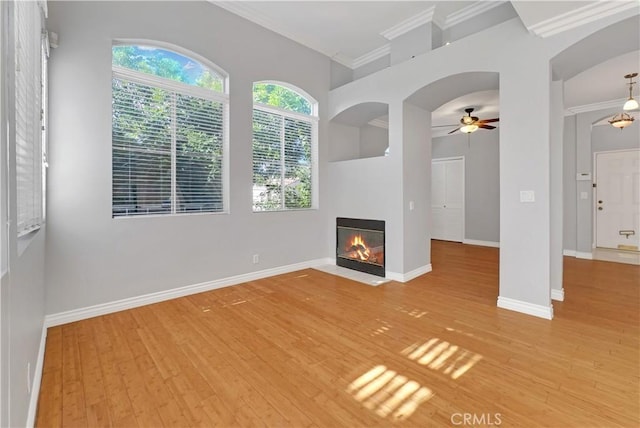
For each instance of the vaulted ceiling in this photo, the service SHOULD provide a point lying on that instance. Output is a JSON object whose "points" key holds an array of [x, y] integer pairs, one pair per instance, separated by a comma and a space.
{"points": [[354, 33]]}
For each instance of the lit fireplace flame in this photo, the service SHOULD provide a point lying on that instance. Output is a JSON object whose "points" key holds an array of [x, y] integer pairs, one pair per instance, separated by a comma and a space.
{"points": [[359, 249]]}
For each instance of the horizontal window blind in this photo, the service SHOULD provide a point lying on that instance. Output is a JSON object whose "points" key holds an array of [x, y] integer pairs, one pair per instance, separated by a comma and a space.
{"points": [[282, 161], [28, 116], [167, 151]]}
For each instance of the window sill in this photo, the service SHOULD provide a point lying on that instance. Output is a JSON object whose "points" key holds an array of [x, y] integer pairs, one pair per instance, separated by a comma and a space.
{"points": [[193, 214], [289, 210]]}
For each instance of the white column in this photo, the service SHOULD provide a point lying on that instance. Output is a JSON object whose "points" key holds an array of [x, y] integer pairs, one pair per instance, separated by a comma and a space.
{"points": [[416, 190], [525, 225], [556, 188]]}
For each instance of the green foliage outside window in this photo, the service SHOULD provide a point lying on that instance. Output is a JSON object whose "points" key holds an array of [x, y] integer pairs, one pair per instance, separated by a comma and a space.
{"points": [[282, 163], [279, 96], [166, 64]]}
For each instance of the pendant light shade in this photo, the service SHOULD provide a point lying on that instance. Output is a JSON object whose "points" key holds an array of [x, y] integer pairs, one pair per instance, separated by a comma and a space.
{"points": [[621, 120], [624, 119], [631, 104]]}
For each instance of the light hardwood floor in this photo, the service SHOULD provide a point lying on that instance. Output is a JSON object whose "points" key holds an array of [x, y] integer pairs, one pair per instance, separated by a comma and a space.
{"points": [[311, 349]]}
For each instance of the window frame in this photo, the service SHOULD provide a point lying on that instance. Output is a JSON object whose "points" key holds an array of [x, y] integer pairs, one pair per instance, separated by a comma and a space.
{"points": [[36, 144], [178, 88], [313, 119]]}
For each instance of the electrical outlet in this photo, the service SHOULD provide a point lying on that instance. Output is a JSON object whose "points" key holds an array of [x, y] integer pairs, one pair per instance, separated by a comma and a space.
{"points": [[256, 259], [28, 378]]}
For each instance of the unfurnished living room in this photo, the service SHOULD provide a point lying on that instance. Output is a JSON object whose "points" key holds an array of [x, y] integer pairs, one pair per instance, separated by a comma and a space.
{"points": [[319, 213]]}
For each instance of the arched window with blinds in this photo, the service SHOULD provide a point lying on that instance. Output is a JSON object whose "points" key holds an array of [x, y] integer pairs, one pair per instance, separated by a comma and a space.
{"points": [[169, 131], [285, 130]]}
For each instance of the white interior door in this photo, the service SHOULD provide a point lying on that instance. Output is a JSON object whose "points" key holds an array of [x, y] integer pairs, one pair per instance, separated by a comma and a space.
{"points": [[447, 199], [618, 200]]}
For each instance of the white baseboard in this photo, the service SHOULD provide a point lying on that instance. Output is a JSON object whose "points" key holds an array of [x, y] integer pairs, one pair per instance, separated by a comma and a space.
{"points": [[540, 311], [406, 277], [481, 243], [37, 379], [400, 277], [134, 302], [578, 254], [584, 255], [557, 294]]}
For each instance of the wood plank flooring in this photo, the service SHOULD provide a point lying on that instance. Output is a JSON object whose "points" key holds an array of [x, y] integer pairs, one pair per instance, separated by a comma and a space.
{"points": [[310, 349]]}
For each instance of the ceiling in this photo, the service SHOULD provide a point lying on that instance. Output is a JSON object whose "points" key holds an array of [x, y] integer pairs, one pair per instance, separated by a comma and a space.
{"points": [[357, 27], [352, 32]]}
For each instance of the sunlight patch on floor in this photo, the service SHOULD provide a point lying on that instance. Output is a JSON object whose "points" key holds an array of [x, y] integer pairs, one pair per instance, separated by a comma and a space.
{"points": [[384, 327], [442, 356], [415, 313], [459, 332], [388, 394]]}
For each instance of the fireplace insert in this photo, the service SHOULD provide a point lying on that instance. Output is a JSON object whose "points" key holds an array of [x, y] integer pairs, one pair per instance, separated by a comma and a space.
{"points": [[360, 245]]}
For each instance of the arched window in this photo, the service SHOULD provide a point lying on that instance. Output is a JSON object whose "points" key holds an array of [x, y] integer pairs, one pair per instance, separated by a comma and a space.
{"points": [[285, 124], [168, 133]]}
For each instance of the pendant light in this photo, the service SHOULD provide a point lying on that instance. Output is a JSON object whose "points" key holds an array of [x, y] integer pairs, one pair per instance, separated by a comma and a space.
{"points": [[631, 104], [621, 120]]}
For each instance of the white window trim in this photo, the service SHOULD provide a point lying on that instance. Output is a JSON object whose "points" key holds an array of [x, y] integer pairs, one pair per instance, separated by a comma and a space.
{"points": [[39, 191], [168, 84]]}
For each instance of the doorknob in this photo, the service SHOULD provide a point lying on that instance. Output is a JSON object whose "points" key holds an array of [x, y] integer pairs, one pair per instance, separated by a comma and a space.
{"points": [[600, 208], [599, 202]]}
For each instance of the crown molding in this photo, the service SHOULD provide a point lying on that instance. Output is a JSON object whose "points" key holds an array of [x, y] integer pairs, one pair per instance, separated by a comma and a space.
{"points": [[379, 123], [469, 12], [245, 10], [371, 56], [583, 15], [409, 24], [617, 103], [343, 59]]}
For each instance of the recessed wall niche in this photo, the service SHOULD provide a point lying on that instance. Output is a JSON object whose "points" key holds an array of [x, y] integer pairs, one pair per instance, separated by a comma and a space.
{"points": [[361, 131]]}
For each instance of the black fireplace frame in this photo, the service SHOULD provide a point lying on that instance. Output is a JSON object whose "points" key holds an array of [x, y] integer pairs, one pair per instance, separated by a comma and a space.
{"points": [[365, 224]]}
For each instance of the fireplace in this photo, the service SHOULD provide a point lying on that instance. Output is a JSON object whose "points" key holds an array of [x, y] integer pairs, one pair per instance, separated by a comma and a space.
{"points": [[360, 245]]}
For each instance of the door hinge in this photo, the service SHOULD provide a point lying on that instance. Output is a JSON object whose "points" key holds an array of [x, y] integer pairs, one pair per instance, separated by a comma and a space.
{"points": [[595, 185]]}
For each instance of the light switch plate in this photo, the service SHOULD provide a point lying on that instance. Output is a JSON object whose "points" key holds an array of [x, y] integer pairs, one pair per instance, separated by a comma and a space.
{"points": [[527, 196]]}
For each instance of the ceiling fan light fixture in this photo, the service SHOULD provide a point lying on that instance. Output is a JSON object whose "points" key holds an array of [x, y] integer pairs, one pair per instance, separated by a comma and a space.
{"points": [[468, 129], [631, 104], [621, 120]]}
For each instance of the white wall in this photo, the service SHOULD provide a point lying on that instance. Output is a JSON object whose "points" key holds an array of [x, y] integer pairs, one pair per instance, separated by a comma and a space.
{"points": [[92, 258], [569, 184], [368, 188], [482, 180], [22, 288], [524, 144], [581, 141], [373, 141], [416, 188]]}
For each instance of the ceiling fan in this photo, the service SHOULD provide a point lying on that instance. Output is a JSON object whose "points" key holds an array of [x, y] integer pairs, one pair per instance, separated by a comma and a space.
{"points": [[471, 124]]}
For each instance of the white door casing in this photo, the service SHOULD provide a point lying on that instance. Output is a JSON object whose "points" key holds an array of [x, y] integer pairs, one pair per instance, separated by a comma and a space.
{"points": [[617, 199], [447, 199]]}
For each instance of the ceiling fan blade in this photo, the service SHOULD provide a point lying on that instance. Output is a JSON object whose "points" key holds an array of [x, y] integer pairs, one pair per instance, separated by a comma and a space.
{"points": [[444, 126], [489, 120], [486, 126], [453, 131]]}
